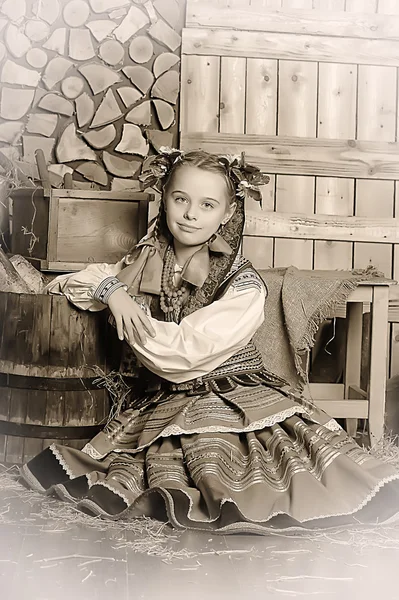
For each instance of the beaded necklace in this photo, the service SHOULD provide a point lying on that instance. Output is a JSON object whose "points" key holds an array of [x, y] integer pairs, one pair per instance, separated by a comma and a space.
{"points": [[172, 296]]}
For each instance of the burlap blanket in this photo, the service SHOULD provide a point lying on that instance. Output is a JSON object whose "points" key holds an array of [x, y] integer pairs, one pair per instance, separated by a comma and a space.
{"points": [[298, 302]]}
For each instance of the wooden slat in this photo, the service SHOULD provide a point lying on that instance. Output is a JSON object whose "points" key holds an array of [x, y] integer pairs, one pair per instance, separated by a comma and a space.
{"points": [[5, 397], [336, 119], [377, 386], [255, 44], [330, 5], [322, 227], [377, 254], [261, 117], [261, 94], [305, 156], [375, 120], [199, 103], [361, 6], [325, 391], [388, 7], [296, 116], [232, 95], [344, 409], [204, 13]]}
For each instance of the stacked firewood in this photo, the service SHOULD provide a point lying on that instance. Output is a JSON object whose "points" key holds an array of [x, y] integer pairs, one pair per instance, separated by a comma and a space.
{"points": [[19, 276]]}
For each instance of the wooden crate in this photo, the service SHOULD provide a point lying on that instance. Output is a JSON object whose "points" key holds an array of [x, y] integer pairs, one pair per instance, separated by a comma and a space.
{"points": [[64, 230]]}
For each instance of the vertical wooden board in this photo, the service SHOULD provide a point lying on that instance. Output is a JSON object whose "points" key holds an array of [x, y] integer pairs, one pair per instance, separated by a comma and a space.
{"points": [[376, 121], [297, 98], [5, 396], [336, 119], [294, 194], [376, 103], [388, 7], [55, 413], [24, 333], [200, 80], [332, 255], [296, 253], [259, 251], [59, 333], [41, 328], [35, 415], [232, 94], [93, 344], [74, 408], [361, 6], [261, 117], [261, 94], [296, 116], [3, 313], [304, 4], [17, 414], [377, 255], [333, 197], [8, 350], [337, 101], [272, 3], [77, 333], [329, 4]]}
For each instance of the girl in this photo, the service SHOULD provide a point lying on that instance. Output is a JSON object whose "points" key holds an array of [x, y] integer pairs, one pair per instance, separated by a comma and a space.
{"points": [[211, 440]]}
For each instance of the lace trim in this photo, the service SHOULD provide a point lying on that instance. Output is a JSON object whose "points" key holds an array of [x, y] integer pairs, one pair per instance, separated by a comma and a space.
{"points": [[91, 451], [332, 425], [256, 425], [62, 461], [111, 489], [252, 525]]}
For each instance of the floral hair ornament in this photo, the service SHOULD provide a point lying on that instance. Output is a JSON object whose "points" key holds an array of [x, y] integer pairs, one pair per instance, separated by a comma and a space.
{"points": [[157, 171], [245, 178]]}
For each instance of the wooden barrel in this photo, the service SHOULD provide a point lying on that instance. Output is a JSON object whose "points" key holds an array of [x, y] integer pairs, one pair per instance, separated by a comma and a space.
{"points": [[50, 357]]}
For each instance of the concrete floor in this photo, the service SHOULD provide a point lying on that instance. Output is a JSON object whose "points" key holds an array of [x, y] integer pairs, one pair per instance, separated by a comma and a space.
{"points": [[46, 556]]}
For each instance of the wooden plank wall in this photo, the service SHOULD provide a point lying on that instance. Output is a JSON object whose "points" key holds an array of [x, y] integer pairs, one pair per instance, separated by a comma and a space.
{"points": [[274, 68]]}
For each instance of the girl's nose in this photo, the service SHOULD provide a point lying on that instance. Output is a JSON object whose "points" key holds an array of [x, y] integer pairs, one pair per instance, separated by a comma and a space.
{"points": [[190, 214]]}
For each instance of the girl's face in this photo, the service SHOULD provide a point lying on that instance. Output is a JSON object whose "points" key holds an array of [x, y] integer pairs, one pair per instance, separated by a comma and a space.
{"points": [[196, 203]]}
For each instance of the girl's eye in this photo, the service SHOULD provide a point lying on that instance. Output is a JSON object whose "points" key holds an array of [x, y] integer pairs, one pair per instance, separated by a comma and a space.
{"points": [[208, 205], [180, 199]]}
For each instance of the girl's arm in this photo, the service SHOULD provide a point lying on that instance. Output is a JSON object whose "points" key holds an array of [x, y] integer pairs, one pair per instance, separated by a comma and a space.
{"points": [[207, 337], [83, 288]]}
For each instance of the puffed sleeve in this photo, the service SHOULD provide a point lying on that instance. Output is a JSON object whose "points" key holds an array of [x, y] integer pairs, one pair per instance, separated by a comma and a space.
{"points": [[80, 288], [205, 339]]}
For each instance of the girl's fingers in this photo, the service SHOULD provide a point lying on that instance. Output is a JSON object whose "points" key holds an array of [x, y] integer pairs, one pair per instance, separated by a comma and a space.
{"points": [[140, 333], [147, 325], [129, 330], [119, 327]]}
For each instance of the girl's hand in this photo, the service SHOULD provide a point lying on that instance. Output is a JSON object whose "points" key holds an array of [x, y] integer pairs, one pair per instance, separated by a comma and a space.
{"points": [[130, 319]]}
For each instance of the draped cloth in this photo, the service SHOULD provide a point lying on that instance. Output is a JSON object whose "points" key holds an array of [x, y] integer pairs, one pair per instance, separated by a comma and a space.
{"points": [[238, 451], [298, 301]]}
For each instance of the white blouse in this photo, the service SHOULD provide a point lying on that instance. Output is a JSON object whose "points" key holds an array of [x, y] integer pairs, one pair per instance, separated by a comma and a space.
{"points": [[201, 342]]}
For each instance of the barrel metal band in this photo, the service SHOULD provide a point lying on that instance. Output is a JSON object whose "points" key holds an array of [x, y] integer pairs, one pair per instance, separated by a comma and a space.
{"points": [[57, 432], [51, 384]]}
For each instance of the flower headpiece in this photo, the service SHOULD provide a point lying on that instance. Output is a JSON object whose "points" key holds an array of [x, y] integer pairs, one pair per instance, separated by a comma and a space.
{"points": [[245, 178]]}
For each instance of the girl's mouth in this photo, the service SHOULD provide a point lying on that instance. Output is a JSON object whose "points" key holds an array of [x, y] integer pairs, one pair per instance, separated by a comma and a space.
{"points": [[187, 228]]}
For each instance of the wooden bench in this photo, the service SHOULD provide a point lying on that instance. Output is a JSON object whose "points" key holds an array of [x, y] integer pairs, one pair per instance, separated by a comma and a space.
{"points": [[347, 399]]}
